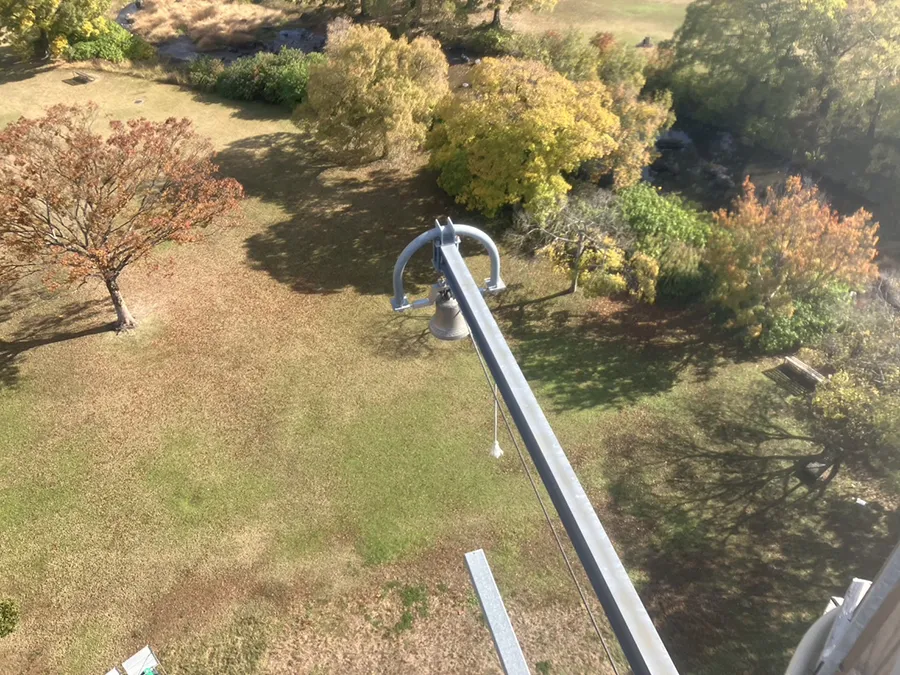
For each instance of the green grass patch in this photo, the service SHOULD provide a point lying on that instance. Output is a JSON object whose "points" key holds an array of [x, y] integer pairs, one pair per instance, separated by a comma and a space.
{"points": [[272, 434]]}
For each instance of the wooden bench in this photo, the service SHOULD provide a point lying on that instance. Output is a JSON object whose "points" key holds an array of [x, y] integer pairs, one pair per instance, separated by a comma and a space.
{"points": [[801, 372], [84, 78]]}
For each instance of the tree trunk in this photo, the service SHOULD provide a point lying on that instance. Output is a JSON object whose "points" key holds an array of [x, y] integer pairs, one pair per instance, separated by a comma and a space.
{"points": [[495, 22], [579, 252], [42, 45], [124, 320], [363, 9], [873, 121]]}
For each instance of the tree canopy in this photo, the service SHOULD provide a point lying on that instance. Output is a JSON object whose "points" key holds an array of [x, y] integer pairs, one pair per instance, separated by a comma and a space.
{"points": [[858, 408], [46, 27], [374, 96], [771, 253], [87, 206], [514, 133], [808, 76]]}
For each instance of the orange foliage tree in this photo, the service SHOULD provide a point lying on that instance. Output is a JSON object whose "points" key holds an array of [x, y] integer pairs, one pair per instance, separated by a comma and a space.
{"points": [[770, 253], [91, 205]]}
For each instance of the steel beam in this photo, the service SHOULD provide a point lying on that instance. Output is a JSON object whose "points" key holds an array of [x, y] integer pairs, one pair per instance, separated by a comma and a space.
{"points": [[635, 631], [508, 650]]}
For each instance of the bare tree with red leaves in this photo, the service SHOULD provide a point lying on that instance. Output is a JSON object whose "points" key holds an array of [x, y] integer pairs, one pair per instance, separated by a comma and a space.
{"points": [[92, 205]]}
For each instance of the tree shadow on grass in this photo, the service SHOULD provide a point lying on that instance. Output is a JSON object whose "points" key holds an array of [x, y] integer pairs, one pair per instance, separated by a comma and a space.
{"points": [[739, 553], [607, 353], [70, 322], [344, 227], [13, 68]]}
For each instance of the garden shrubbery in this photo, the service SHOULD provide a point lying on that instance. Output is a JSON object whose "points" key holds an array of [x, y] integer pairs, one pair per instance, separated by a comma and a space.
{"points": [[114, 44], [279, 78], [672, 232]]}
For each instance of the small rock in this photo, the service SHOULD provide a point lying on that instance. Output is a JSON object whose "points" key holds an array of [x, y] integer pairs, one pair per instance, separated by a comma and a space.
{"points": [[646, 43], [673, 140], [139, 101], [465, 85]]}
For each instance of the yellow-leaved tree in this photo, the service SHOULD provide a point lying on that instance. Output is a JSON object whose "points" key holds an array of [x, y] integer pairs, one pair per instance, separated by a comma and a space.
{"points": [[373, 96], [46, 27], [514, 133]]}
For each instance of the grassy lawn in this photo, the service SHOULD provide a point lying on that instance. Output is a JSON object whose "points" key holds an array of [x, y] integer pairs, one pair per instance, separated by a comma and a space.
{"points": [[629, 20], [275, 474]]}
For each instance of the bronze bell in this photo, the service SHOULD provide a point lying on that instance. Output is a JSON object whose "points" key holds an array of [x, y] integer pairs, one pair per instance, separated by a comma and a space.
{"points": [[448, 322]]}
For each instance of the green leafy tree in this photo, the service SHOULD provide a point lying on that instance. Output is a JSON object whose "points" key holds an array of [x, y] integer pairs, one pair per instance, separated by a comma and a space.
{"points": [[45, 28], [373, 96], [796, 74], [513, 134], [618, 64], [621, 69]]}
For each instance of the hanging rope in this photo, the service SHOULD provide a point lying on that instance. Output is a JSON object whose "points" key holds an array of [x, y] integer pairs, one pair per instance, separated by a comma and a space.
{"points": [[492, 385], [496, 450]]}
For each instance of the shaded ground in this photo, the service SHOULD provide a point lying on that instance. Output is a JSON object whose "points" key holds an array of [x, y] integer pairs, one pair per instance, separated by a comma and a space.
{"points": [[738, 553], [268, 473]]}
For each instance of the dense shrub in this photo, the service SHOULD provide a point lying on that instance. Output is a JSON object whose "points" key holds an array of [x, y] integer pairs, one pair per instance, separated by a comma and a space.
{"points": [[280, 78], [659, 220], [114, 44], [274, 78], [204, 73], [683, 276], [489, 40], [809, 321], [673, 233], [569, 53], [9, 617]]}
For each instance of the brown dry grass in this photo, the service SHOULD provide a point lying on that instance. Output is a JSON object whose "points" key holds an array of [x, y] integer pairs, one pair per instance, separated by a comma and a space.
{"points": [[209, 23]]}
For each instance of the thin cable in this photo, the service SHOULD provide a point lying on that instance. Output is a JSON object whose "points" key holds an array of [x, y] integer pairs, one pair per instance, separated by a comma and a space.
{"points": [[559, 544]]}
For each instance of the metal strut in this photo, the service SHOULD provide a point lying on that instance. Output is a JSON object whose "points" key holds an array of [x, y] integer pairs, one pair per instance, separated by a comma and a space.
{"points": [[636, 633]]}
